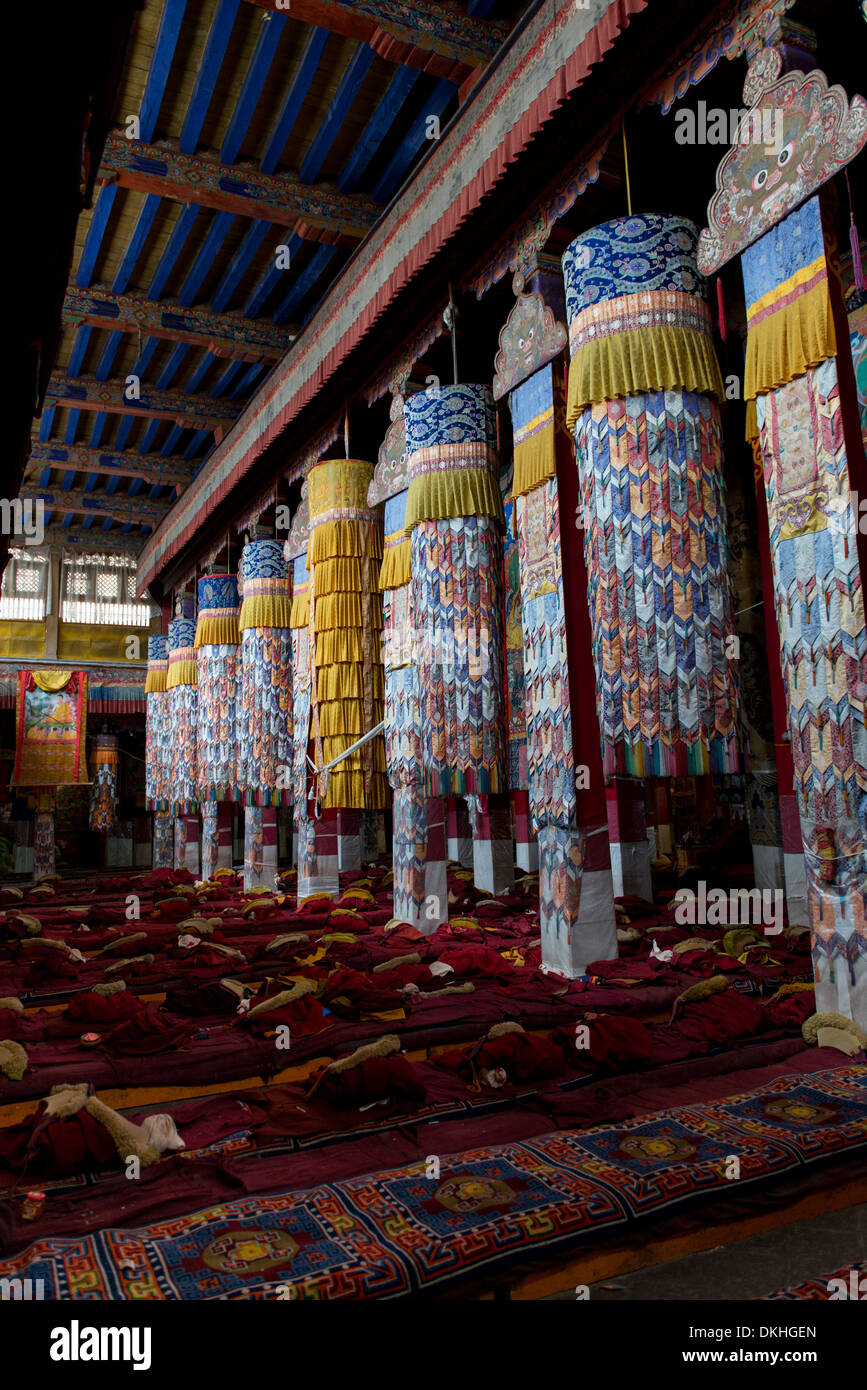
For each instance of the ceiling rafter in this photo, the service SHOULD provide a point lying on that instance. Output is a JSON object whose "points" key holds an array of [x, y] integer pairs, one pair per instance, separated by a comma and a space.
{"points": [[316, 212], [152, 469], [224, 335], [118, 505], [188, 411]]}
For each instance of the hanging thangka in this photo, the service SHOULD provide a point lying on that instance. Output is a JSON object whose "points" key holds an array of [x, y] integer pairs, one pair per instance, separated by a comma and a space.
{"points": [[265, 715], [644, 392], [104, 796], [455, 516], [217, 639], [50, 723], [181, 676]]}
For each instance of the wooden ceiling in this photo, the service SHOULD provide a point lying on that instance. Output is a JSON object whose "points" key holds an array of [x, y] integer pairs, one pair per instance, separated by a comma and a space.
{"points": [[254, 144]]}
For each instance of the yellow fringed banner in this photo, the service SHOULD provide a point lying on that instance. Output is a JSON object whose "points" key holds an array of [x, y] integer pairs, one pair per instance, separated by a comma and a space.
{"points": [[341, 717], [182, 672], [265, 610], [346, 682], [535, 461], [299, 613], [343, 539], [789, 330], [338, 646], [465, 492], [649, 359], [155, 681], [215, 629], [342, 575], [337, 611], [396, 565]]}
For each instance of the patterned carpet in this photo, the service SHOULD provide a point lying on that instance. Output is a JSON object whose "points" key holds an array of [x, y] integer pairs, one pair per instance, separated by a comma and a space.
{"points": [[844, 1284], [403, 1231]]}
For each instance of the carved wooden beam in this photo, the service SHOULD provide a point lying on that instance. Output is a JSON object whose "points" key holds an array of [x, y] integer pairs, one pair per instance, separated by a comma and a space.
{"points": [[90, 542], [152, 468], [317, 212], [189, 411], [225, 335], [118, 505], [419, 26]]}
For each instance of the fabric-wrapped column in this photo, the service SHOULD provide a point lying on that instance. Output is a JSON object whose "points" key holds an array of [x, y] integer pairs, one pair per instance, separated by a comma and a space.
{"points": [[183, 788], [564, 763], [157, 750], [418, 843], [455, 516], [814, 471], [217, 644], [526, 848], [43, 842], [644, 386], [345, 634], [265, 718], [104, 793]]}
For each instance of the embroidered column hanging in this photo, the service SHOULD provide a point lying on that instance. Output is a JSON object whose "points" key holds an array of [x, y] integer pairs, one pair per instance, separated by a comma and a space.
{"points": [[455, 516], [345, 630], [217, 644], [158, 728], [181, 678], [644, 387], [265, 715], [104, 795]]}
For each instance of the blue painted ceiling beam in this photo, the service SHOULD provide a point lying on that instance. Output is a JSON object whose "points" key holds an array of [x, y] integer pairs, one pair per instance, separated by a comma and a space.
{"points": [[293, 100], [377, 128], [338, 110], [206, 78], [270, 32], [161, 63]]}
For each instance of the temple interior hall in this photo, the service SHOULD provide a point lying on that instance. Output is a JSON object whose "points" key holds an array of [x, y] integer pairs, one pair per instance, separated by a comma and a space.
{"points": [[433, 663]]}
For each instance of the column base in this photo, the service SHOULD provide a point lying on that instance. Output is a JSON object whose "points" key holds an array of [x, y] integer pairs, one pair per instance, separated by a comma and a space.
{"points": [[260, 847], [459, 842], [493, 849], [576, 900], [421, 895], [317, 857]]}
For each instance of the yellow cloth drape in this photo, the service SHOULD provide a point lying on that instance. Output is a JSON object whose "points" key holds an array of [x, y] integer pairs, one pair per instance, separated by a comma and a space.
{"points": [[299, 613], [649, 359], [52, 680], [218, 630], [783, 342], [458, 492], [155, 681], [265, 610], [182, 673], [535, 461], [396, 566]]}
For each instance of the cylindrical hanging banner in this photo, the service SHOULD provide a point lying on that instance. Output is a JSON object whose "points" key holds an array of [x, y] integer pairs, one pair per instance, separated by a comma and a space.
{"points": [[345, 633], [158, 733], [104, 793], [455, 513], [265, 715], [183, 788], [217, 639], [644, 387]]}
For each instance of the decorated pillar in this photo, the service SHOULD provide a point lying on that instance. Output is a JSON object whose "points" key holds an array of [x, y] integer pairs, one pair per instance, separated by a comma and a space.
{"points": [[526, 848], [566, 790], [627, 835], [459, 832], [183, 779], [217, 644], [799, 373], [454, 512], [643, 399], [345, 627], [104, 792], [157, 750], [43, 843], [265, 715]]}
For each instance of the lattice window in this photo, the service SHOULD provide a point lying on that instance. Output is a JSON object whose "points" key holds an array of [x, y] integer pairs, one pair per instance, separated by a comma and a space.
{"points": [[101, 589], [25, 587]]}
